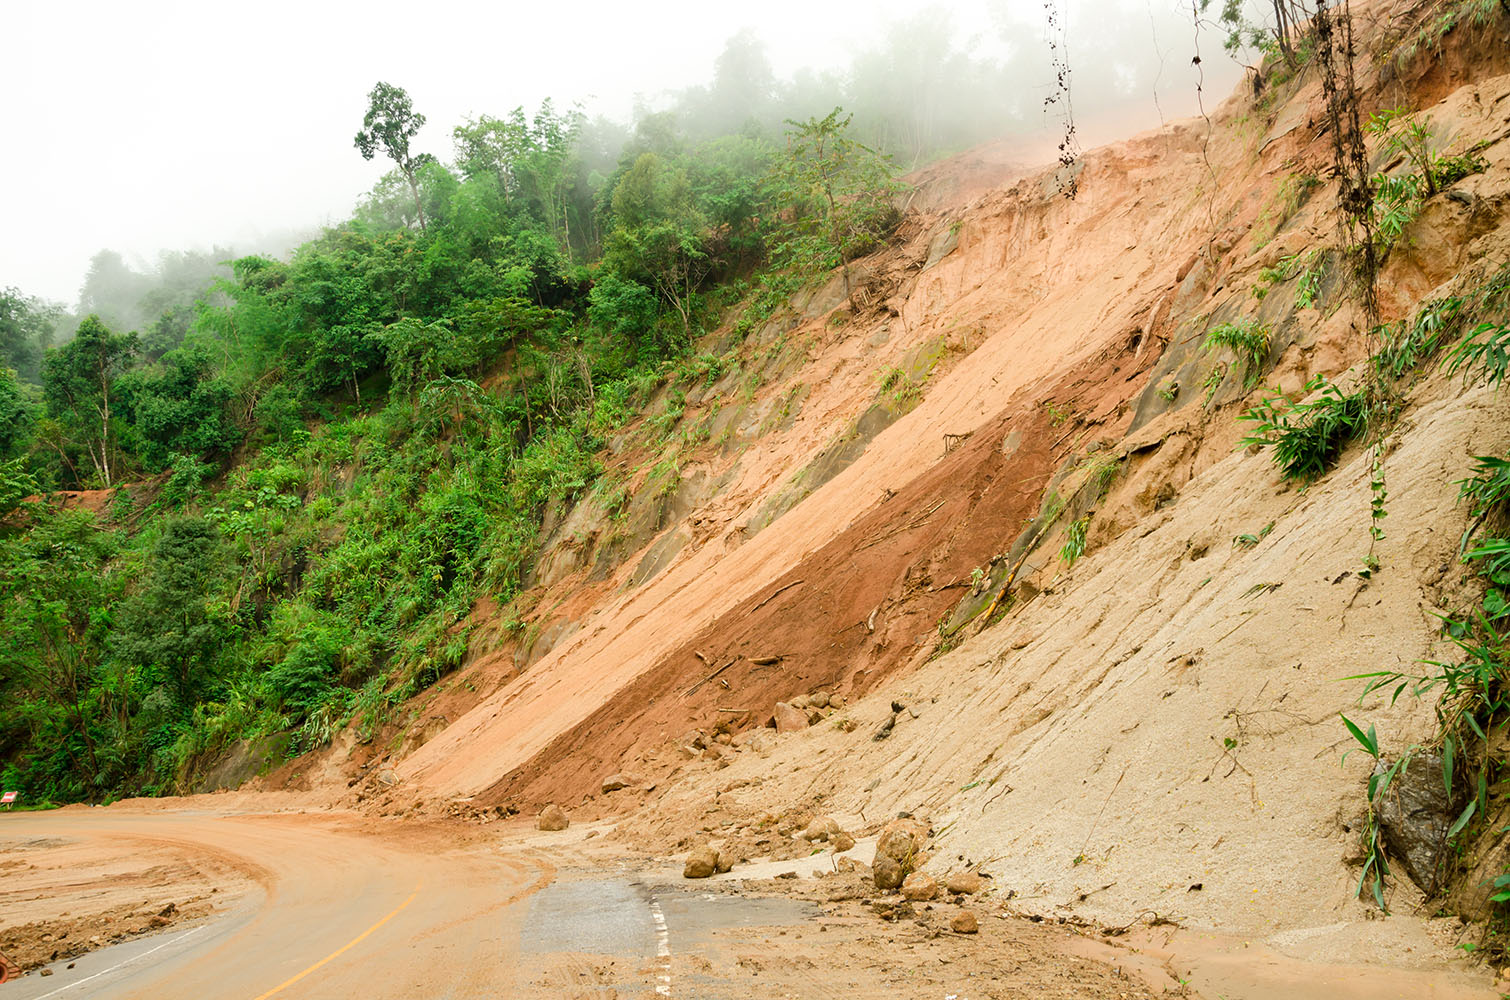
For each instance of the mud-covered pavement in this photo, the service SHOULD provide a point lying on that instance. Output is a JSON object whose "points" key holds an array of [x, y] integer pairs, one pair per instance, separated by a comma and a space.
{"points": [[322, 904], [333, 905]]}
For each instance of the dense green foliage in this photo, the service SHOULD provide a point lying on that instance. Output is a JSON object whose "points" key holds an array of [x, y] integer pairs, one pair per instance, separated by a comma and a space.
{"points": [[312, 469]]}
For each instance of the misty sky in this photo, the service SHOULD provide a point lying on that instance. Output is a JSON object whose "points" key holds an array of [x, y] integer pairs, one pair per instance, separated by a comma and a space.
{"points": [[157, 124]]}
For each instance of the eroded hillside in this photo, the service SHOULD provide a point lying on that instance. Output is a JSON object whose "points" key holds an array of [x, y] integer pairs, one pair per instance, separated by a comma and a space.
{"points": [[991, 499]]}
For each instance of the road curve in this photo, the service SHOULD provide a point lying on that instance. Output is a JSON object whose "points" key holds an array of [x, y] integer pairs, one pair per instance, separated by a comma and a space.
{"points": [[337, 913]]}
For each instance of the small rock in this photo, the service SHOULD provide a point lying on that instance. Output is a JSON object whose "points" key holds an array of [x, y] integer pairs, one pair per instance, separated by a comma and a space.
{"points": [[819, 699], [168, 911], [814, 717], [963, 883], [45, 972], [789, 719], [851, 865], [884, 730], [787, 875], [836, 701], [614, 782], [159, 921], [887, 872], [842, 842], [920, 887], [387, 777], [701, 863], [964, 922], [801, 701], [725, 862], [552, 818], [723, 738], [821, 828]]}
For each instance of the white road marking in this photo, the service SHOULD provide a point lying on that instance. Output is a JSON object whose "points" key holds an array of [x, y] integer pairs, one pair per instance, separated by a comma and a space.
{"points": [[182, 937], [662, 947]]}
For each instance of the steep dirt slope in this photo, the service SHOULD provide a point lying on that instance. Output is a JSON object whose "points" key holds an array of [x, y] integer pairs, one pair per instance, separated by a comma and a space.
{"points": [[1027, 278], [1151, 731]]}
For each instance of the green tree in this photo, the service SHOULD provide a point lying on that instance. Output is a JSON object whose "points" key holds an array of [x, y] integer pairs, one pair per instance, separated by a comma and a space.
{"points": [[166, 632], [390, 123], [837, 193], [78, 385], [658, 234], [26, 326], [18, 416]]}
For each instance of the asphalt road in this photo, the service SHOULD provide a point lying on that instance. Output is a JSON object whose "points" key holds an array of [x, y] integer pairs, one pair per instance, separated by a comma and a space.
{"points": [[337, 914]]}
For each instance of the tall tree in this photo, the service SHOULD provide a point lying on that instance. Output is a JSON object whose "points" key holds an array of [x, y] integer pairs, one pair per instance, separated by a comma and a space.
{"points": [[78, 385], [390, 123]]}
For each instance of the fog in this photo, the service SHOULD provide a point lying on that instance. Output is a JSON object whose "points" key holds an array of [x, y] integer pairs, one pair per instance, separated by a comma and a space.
{"points": [[191, 127]]}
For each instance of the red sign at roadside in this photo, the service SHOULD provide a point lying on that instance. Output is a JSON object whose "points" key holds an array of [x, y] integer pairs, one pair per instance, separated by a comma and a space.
{"points": [[8, 798]]}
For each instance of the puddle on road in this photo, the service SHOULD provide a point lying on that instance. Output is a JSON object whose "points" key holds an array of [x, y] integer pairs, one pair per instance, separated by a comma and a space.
{"points": [[612, 917]]}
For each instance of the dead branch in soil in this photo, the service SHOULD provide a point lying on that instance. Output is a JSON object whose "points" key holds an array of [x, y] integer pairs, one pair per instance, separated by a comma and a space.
{"points": [[774, 595]]}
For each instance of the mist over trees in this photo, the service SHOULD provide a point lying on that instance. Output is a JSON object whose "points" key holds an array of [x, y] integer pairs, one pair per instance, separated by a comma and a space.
{"points": [[311, 468]]}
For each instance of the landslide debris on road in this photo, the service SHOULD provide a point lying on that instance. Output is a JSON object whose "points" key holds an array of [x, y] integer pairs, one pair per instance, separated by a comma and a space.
{"points": [[64, 897]]}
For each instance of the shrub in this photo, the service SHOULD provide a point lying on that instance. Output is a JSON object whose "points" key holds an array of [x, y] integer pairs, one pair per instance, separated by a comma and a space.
{"points": [[1307, 436], [1248, 339]]}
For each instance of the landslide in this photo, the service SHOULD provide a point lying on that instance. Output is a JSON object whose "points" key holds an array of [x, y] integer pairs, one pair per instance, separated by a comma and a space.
{"points": [[976, 353], [837, 502]]}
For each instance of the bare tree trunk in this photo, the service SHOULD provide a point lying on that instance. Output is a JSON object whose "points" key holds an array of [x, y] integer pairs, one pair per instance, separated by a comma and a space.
{"points": [[414, 190]]}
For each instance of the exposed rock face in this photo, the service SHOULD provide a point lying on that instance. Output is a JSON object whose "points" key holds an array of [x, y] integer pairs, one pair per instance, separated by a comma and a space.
{"points": [[1414, 816], [701, 863], [553, 818]]}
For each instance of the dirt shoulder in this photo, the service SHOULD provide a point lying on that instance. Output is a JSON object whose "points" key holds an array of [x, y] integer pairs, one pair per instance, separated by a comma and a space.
{"points": [[64, 896]]}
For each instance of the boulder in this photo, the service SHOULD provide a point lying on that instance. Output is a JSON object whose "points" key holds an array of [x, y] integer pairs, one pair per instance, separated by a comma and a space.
{"points": [[920, 887], [789, 719], [614, 782], [725, 862], [842, 842], [801, 701], [818, 700], [701, 863], [1415, 814], [836, 701], [964, 922], [821, 828], [902, 840], [963, 883], [887, 872], [552, 818]]}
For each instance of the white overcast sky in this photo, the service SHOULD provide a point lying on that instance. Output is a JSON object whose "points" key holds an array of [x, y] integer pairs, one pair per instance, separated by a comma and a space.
{"points": [[140, 125]]}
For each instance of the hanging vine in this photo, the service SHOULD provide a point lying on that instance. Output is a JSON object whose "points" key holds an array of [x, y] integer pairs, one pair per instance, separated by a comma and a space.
{"points": [[1069, 145]]}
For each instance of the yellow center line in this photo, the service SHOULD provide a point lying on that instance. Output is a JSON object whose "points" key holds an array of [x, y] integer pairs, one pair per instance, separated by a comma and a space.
{"points": [[342, 950]]}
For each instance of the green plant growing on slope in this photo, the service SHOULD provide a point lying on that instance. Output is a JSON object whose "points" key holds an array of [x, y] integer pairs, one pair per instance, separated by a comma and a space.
{"points": [[1398, 199], [1309, 267], [1248, 339], [1074, 544], [1248, 540], [1307, 436]]}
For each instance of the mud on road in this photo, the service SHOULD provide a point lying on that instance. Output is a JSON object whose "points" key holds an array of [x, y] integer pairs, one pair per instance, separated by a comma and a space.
{"points": [[303, 905]]}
